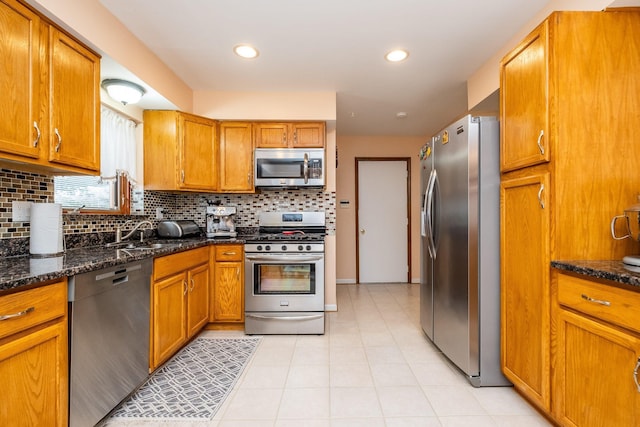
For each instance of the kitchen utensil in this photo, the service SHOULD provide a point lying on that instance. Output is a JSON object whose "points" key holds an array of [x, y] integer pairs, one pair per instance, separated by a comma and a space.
{"points": [[632, 223]]}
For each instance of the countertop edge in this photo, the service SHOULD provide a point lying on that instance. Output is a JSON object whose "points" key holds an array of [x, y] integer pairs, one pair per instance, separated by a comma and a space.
{"points": [[25, 272], [615, 271]]}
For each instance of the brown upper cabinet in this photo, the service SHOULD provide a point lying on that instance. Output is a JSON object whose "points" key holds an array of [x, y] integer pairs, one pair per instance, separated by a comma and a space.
{"points": [[524, 93], [236, 157], [50, 106], [180, 152], [289, 135]]}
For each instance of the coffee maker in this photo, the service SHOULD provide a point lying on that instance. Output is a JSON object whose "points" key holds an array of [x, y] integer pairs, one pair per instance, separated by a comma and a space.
{"points": [[220, 221]]}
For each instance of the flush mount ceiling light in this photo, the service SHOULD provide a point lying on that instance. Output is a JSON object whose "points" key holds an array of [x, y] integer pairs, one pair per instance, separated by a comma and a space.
{"points": [[246, 51], [123, 91], [397, 55], [401, 115]]}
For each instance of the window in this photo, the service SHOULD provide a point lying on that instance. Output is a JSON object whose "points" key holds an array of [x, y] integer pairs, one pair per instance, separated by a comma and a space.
{"points": [[112, 191]]}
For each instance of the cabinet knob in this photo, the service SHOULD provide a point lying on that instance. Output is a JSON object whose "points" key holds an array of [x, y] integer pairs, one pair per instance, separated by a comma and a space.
{"points": [[37, 140], [635, 374], [540, 196], [540, 147], [57, 148], [18, 314]]}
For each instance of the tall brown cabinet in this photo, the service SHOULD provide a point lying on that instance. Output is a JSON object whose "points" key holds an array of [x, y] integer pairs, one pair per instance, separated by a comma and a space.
{"points": [[570, 111]]}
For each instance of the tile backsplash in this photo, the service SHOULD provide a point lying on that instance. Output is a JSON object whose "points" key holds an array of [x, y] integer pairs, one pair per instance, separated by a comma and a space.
{"points": [[34, 187]]}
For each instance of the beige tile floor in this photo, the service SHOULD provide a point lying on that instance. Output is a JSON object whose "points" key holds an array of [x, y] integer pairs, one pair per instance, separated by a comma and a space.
{"points": [[373, 367]]}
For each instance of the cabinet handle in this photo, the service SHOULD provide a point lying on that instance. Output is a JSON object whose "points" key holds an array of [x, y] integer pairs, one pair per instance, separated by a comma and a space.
{"points": [[18, 314], [249, 178], [228, 253], [238, 273], [540, 196], [57, 149], [193, 285], [35, 126], [295, 137], [184, 284], [284, 138], [182, 176], [540, 147], [635, 375], [596, 301]]}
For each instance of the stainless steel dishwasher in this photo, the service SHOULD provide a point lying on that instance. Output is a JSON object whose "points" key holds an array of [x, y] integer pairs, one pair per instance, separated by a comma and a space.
{"points": [[108, 338]]}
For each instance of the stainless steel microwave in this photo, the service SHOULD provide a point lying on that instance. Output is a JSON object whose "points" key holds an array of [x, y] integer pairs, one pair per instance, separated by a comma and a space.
{"points": [[289, 167]]}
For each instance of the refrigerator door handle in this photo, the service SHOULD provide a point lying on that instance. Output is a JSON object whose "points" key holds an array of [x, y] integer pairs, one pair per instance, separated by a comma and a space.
{"points": [[434, 235], [429, 212]]}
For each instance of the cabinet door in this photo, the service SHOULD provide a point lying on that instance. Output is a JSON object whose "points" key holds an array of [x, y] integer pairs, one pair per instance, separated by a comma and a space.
{"points": [[524, 92], [20, 68], [198, 301], [595, 374], [525, 316], [169, 314], [236, 157], [74, 102], [198, 165], [308, 135], [228, 292], [271, 135], [35, 378]]}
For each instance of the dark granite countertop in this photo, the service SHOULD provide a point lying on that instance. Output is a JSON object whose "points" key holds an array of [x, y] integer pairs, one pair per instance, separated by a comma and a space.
{"points": [[615, 271], [21, 272]]}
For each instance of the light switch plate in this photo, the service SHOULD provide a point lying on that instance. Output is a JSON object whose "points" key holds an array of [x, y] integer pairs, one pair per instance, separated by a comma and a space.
{"points": [[20, 211]]}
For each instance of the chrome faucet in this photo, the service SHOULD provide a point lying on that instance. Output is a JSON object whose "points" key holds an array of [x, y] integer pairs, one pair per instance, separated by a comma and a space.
{"points": [[120, 237]]}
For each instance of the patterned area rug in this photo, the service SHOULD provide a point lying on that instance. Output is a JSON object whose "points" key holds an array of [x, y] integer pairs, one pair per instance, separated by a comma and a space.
{"points": [[193, 384]]}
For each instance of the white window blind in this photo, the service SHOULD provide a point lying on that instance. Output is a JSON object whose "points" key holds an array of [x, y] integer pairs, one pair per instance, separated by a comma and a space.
{"points": [[117, 158]]}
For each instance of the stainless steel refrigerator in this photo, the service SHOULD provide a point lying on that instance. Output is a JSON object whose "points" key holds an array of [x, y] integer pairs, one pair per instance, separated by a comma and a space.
{"points": [[460, 247]]}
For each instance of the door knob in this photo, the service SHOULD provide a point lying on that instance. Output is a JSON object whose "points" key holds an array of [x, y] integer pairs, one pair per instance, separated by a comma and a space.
{"points": [[362, 230]]}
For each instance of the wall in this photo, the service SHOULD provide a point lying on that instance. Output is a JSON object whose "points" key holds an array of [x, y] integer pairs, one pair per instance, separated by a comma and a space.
{"points": [[350, 147]]}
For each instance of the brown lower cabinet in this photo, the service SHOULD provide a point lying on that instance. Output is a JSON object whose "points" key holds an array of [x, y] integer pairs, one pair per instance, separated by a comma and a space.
{"points": [[227, 302], [34, 357], [597, 354], [180, 301]]}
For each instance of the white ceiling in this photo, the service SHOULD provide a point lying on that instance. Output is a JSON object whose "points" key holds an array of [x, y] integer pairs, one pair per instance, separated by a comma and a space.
{"points": [[333, 45]]}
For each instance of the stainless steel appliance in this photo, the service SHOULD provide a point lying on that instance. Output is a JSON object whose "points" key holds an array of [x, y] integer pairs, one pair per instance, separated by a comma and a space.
{"points": [[284, 274], [220, 222], [460, 274], [108, 339], [289, 167]]}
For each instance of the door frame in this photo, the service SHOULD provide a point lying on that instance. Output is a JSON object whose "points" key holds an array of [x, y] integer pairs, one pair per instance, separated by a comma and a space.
{"points": [[407, 161]]}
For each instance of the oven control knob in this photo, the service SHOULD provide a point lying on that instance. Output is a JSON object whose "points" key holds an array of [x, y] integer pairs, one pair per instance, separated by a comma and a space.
{"points": [[259, 247], [284, 247], [267, 248], [308, 247], [300, 247]]}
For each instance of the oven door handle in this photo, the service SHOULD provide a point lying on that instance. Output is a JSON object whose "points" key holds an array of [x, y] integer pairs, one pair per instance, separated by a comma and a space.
{"points": [[285, 258], [257, 316]]}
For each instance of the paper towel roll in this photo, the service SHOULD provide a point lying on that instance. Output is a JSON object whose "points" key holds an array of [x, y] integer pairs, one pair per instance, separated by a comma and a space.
{"points": [[46, 236]]}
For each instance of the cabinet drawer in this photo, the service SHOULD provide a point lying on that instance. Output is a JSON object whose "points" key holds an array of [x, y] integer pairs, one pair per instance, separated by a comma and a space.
{"points": [[39, 305], [229, 253], [172, 264], [614, 305]]}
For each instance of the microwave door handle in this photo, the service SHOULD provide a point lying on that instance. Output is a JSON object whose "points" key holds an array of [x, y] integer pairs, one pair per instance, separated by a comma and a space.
{"points": [[306, 168]]}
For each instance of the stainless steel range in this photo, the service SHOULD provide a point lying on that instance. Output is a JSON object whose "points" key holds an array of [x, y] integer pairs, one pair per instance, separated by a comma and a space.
{"points": [[284, 274]]}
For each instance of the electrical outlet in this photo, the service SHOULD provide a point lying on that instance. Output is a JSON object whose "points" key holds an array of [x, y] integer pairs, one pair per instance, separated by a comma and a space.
{"points": [[20, 211], [159, 213]]}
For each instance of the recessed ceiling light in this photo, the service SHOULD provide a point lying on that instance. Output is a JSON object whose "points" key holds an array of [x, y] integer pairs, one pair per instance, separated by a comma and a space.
{"points": [[397, 55], [246, 51], [401, 115]]}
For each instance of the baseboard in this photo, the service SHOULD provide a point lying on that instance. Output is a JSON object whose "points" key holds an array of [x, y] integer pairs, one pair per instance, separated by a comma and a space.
{"points": [[415, 280], [331, 307], [345, 281]]}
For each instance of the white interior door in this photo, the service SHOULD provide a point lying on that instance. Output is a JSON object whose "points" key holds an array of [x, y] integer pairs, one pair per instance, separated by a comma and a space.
{"points": [[382, 221]]}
